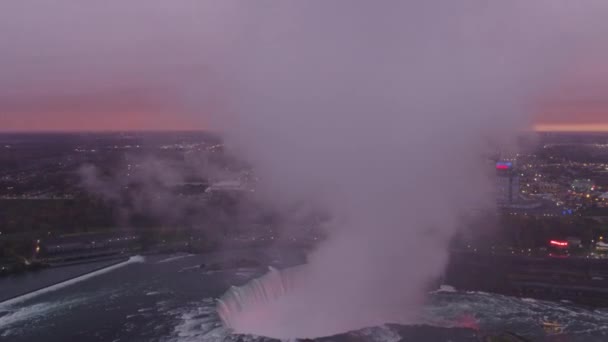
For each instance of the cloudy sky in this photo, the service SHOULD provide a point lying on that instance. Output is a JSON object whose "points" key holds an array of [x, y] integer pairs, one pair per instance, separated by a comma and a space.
{"points": [[111, 65], [128, 65]]}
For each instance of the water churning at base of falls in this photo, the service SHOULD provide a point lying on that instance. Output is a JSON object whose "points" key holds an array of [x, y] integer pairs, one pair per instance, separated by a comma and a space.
{"points": [[250, 301]]}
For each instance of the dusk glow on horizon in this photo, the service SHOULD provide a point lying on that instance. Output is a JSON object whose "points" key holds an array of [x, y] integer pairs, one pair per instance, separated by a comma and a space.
{"points": [[99, 122], [572, 128], [146, 121]]}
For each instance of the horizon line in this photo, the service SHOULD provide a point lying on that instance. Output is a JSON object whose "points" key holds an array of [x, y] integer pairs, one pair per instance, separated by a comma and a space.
{"points": [[571, 128], [85, 131], [539, 128]]}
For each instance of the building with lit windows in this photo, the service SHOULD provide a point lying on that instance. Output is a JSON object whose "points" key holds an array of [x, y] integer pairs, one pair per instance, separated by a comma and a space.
{"points": [[507, 182]]}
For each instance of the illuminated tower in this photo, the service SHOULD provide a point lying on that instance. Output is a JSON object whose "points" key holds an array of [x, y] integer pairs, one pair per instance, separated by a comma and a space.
{"points": [[507, 182]]}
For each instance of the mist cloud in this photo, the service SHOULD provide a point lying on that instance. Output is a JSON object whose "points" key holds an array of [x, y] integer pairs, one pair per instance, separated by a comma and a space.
{"points": [[382, 113]]}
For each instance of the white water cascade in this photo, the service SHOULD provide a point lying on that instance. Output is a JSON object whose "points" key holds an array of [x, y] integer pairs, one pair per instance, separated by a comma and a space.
{"points": [[248, 301]]}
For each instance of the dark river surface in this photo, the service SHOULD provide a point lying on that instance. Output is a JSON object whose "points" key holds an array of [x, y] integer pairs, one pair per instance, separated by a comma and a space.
{"points": [[171, 298], [19, 284]]}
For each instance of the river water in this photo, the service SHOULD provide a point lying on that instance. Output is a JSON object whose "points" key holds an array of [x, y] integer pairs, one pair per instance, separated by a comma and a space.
{"points": [[170, 298]]}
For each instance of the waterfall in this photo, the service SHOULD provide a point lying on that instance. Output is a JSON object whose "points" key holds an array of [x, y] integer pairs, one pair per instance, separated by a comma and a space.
{"points": [[255, 295]]}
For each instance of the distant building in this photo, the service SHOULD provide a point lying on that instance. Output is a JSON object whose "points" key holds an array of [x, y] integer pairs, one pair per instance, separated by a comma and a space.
{"points": [[583, 185], [507, 182], [549, 188], [601, 247]]}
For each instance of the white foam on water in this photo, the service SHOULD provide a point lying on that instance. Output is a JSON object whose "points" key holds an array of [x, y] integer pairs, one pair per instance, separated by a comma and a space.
{"points": [[378, 334], [163, 303], [445, 289], [58, 286], [199, 323], [184, 269], [31, 312], [26, 313], [243, 272], [525, 315], [174, 258]]}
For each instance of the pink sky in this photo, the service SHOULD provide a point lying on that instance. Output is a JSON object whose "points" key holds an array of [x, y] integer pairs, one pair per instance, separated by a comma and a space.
{"points": [[118, 65]]}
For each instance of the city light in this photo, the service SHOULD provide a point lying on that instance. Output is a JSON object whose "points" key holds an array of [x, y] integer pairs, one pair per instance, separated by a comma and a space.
{"points": [[559, 243], [504, 165]]}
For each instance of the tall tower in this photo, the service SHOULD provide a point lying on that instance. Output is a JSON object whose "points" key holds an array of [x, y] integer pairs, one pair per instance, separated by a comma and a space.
{"points": [[507, 182]]}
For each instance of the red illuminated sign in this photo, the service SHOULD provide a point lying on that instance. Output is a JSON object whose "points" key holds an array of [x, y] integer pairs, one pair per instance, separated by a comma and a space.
{"points": [[561, 244], [504, 166]]}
